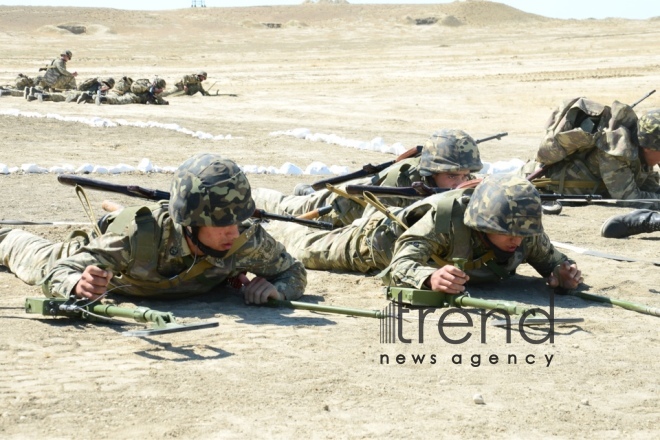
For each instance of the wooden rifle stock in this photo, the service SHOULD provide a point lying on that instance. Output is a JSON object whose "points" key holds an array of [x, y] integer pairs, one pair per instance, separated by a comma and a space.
{"points": [[367, 169]]}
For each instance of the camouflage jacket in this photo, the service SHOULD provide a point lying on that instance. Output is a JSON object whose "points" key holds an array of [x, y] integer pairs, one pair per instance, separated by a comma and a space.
{"points": [[166, 267], [60, 66], [187, 80], [616, 176], [412, 264]]}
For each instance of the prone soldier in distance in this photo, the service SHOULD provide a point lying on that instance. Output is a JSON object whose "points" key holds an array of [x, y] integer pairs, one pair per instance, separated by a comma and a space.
{"points": [[194, 243], [189, 85], [447, 159], [141, 91]]}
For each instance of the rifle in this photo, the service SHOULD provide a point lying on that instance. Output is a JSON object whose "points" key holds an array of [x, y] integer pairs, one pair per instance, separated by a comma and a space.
{"points": [[370, 169], [161, 322], [156, 195], [420, 190], [367, 169], [541, 171]]}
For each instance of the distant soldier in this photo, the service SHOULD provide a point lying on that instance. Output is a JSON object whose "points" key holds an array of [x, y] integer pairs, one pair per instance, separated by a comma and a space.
{"points": [[142, 91], [594, 149], [86, 92], [57, 77], [21, 83], [495, 227], [448, 158], [189, 84]]}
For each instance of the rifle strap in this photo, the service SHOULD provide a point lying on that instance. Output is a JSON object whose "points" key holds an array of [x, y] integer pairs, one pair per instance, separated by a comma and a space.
{"points": [[343, 193], [87, 207]]}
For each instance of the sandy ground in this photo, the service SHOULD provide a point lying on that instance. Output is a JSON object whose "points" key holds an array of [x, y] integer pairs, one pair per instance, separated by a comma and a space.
{"points": [[358, 72]]}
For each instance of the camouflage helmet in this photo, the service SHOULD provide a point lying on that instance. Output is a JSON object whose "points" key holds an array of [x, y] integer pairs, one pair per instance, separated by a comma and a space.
{"points": [[505, 204], [202, 73], [448, 151], [648, 130], [67, 53], [160, 83], [109, 81], [209, 190]]}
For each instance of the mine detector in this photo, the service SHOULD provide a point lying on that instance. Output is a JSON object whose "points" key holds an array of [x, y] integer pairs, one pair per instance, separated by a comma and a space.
{"points": [[165, 322]]}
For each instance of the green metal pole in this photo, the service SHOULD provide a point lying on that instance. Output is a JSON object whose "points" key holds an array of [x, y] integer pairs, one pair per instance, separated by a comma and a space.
{"points": [[377, 314], [641, 308]]}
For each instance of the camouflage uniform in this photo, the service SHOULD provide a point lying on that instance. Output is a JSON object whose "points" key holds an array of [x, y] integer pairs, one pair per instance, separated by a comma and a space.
{"points": [[146, 249], [18, 88], [190, 83], [594, 149], [446, 151], [139, 93], [501, 204], [57, 77], [89, 88], [436, 227]]}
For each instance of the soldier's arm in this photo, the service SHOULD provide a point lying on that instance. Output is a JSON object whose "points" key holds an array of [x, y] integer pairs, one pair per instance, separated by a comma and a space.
{"points": [[620, 180], [109, 252], [410, 263], [267, 258], [542, 255], [60, 65], [652, 183]]}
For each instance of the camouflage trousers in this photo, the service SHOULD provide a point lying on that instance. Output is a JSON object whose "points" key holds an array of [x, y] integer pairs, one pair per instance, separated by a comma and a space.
{"points": [[60, 83], [344, 212], [30, 257], [363, 246], [10, 91], [192, 89], [126, 98]]}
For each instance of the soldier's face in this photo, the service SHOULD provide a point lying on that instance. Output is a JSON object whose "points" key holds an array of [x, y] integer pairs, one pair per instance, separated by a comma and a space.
{"points": [[651, 157], [450, 180], [506, 243], [220, 238]]}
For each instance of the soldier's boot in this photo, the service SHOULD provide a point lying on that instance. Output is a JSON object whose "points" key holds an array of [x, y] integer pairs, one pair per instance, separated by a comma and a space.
{"points": [[27, 92], [43, 97], [637, 222], [33, 97], [303, 189], [84, 98]]}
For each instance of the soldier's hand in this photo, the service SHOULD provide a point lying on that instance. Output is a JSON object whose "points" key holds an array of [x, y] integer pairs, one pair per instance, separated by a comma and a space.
{"points": [[258, 290], [448, 279], [93, 282], [565, 275]]}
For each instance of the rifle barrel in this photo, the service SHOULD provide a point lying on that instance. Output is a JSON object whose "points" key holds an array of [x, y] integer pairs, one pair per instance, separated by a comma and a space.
{"points": [[156, 195], [497, 136]]}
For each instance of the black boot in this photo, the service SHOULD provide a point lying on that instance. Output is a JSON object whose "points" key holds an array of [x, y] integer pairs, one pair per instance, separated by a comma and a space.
{"points": [[636, 222], [84, 98]]}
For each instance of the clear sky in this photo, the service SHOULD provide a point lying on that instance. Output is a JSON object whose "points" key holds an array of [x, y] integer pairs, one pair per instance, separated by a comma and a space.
{"points": [[636, 9]]}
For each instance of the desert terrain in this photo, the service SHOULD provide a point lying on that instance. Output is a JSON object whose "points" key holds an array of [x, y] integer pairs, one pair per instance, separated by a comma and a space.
{"points": [[359, 72]]}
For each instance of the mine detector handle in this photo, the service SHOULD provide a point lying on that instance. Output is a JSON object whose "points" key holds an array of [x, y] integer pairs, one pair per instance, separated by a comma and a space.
{"points": [[155, 194], [161, 322], [367, 169], [430, 298]]}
